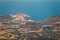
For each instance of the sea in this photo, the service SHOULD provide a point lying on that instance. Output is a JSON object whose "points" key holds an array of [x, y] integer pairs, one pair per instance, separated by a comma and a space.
{"points": [[37, 10]]}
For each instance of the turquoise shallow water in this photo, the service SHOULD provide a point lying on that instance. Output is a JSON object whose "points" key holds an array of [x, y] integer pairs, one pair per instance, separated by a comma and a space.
{"points": [[37, 10]]}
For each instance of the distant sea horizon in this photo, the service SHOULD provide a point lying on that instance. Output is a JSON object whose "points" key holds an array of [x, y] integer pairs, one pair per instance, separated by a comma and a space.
{"points": [[37, 10]]}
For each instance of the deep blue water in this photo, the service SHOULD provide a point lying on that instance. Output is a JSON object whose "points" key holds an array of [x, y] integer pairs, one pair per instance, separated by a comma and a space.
{"points": [[37, 10]]}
